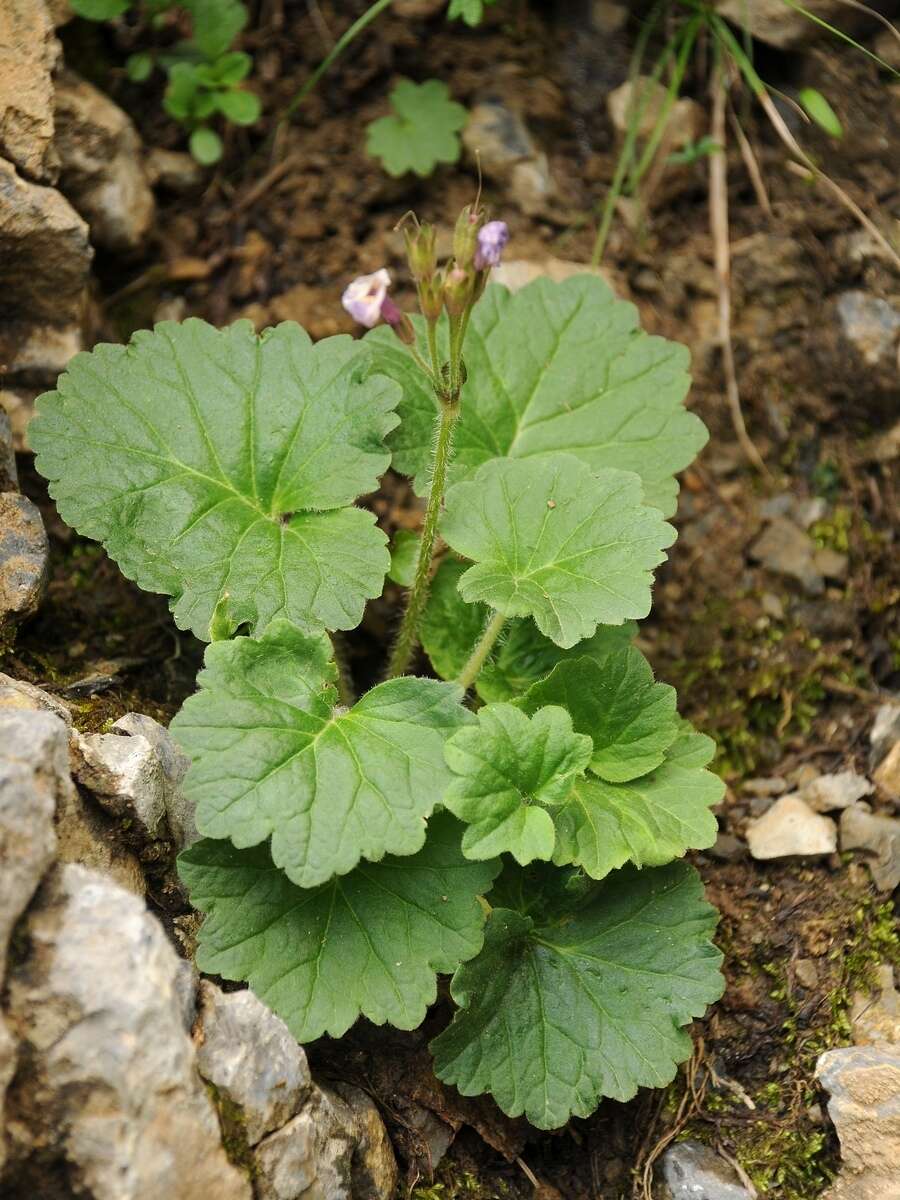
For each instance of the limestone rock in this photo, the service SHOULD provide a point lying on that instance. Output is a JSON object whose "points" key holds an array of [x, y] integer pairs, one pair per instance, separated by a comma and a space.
{"points": [[828, 792], [8, 1058], [884, 732], [864, 1085], [17, 694], [777, 24], [39, 353], [880, 836], [871, 324], [111, 1104], [692, 1171], [648, 97], [174, 763], [23, 557], [373, 1170], [125, 776], [786, 549], [791, 827], [28, 56], [102, 172], [499, 139], [45, 255], [9, 476], [887, 773], [251, 1058], [876, 1018]]}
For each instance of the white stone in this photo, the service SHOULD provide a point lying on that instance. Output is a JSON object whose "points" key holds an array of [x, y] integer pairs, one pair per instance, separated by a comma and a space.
{"points": [[885, 730], [828, 792], [692, 1171], [778, 24], [125, 776], [887, 773], [17, 694], [310, 1156], [112, 1074], [862, 829], [499, 140], [250, 1056], [180, 812], [864, 1085], [790, 827]]}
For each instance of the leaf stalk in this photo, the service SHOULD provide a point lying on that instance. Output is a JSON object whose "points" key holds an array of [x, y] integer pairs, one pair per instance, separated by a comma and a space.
{"points": [[479, 655]]}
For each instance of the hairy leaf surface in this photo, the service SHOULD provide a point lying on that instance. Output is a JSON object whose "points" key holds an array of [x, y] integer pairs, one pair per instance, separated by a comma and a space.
{"points": [[272, 757], [508, 765], [555, 542], [220, 468], [647, 821], [556, 1014], [369, 943], [556, 366], [614, 700]]}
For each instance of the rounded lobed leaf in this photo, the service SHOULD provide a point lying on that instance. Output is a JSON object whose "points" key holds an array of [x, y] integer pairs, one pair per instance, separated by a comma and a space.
{"points": [[422, 131], [220, 468]]}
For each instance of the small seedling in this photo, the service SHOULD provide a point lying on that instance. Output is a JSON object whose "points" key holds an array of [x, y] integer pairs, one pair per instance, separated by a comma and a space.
{"points": [[471, 11], [422, 131]]}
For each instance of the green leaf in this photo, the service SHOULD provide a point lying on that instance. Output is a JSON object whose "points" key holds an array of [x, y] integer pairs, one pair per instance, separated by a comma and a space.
{"points": [[242, 108], [555, 542], [273, 757], [206, 147], [557, 366], [647, 821], [139, 67], [821, 112], [99, 10], [404, 555], [556, 1014], [215, 465], [423, 132], [450, 628], [613, 699], [232, 68], [216, 24], [367, 944], [509, 765], [181, 92], [471, 11]]}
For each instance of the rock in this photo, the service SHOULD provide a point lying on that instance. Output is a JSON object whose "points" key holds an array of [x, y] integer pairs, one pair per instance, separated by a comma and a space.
{"points": [[373, 1170], [28, 56], [418, 10], [880, 836], [648, 96], [17, 694], [887, 47], [807, 975], [785, 549], [499, 140], [173, 170], [8, 1061], [23, 557], [101, 169], [870, 332], [517, 272], [887, 773], [45, 255], [728, 848], [9, 476], [125, 776], [776, 24], [791, 827], [876, 1018], [433, 1136], [885, 731], [250, 1057], [38, 354], [111, 1105], [864, 1086], [885, 448], [831, 563], [692, 1171], [174, 763], [828, 792], [773, 786], [34, 762]]}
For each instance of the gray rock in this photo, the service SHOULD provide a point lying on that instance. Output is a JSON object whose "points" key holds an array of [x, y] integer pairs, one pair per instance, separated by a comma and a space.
{"points": [[310, 1156], [24, 550], [373, 1169], [828, 792], [9, 476], [880, 837], [34, 765], [692, 1171], [887, 773], [434, 1137], [499, 139], [885, 731], [864, 1086], [251, 1058], [112, 1098], [174, 170], [45, 258], [28, 56], [174, 763], [8, 1059], [644, 98], [125, 776], [728, 848], [777, 24], [102, 172], [790, 827], [871, 325], [785, 549], [16, 694], [875, 1018], [771, 786]]}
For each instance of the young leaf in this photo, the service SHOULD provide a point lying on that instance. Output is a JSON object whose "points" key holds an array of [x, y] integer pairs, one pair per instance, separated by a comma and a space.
{"points": [[366, 944], [139, 66], [206, 147], [404, 554], [450, 628], [215, 465], [471, 11], [613, 699], [272, 757], [647, 821], [555, 542], [423, 131], [556, 1014], [242, 108], [557, 366], [508, 765], [216, 24], [821, 112]]}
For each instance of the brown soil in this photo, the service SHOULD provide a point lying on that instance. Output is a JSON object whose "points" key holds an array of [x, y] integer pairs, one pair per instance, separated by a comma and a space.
{"points": [[780, 680]]}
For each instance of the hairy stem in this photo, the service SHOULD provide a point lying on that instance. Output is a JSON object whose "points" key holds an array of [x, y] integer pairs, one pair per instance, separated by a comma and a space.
{"points": [[479, 655], [345, 678], [407, 637]]}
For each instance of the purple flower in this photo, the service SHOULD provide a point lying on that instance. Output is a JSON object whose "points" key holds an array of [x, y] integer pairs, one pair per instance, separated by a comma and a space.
{"points": [[492, 238], [364, 297]]}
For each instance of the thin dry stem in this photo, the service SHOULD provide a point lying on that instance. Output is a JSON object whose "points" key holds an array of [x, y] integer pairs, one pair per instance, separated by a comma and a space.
{"points": [[751, 164]]}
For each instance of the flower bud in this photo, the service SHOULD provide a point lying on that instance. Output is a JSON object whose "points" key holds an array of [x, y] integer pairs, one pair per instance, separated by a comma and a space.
{"points": [[431, 298], [465, 236], [398, 321], [458, 286], [420, 251]]}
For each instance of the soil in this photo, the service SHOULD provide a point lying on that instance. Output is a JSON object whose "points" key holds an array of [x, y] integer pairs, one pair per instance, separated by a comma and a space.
{"points": [[780, 679]]}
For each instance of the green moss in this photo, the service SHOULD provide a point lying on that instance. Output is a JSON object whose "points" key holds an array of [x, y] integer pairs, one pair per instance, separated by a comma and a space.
{"points": [[453, 1183], [234, 1131]]}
